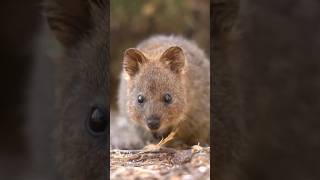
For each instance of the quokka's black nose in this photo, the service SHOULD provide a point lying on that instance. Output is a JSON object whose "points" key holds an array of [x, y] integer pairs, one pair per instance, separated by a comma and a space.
{"points": [[153, 122]]}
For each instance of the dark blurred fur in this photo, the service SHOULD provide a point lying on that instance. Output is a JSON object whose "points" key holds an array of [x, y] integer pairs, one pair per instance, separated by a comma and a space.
{"points": [[266, 85], [70, 77], [19, 21]]}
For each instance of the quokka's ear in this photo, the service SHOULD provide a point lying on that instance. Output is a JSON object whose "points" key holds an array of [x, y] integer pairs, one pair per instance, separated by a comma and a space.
{"points": [[132, 60], [174, 59], [68, 19]]}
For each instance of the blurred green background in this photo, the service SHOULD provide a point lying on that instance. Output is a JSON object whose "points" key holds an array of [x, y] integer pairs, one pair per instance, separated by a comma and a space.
{"points": [[132, 21]]}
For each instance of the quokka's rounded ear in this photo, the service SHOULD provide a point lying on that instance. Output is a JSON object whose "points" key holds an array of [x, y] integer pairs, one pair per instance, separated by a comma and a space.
{"points": [[132, 60], [174, 58], [68, 19]]}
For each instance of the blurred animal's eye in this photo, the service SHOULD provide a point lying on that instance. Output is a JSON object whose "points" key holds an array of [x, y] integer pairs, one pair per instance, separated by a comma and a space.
{"points": [[97, 121], [140, 99], [167, 98]]}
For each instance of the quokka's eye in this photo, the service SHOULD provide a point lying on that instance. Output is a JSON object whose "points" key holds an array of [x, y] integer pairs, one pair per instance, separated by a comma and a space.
{"points": [[140, 99], [97, 121], [167, 98]]}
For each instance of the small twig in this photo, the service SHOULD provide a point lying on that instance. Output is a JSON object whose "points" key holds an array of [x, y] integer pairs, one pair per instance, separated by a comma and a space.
{"points": [[169, 137]]}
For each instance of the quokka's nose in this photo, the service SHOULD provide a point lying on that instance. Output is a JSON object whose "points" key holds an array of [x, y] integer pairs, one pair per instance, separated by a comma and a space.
{"points": [[153, 122]]}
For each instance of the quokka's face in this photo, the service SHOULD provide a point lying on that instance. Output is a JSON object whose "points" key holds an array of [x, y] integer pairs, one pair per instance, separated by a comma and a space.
{"points": [[82, 114], [156, 92], [81, 27]]}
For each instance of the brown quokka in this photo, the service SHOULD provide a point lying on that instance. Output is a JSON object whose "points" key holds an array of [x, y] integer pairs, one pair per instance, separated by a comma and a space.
{"points": [[164, 87]]}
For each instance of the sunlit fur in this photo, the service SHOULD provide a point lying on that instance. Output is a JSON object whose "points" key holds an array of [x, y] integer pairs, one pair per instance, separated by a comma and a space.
{"points": [[188, 87]]}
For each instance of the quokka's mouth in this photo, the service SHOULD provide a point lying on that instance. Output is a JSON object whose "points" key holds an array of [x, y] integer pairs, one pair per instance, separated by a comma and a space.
{"points": [[158, 135]]}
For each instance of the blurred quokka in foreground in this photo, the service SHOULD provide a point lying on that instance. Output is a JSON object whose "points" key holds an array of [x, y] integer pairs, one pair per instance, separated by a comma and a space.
{"points": [[266, 84], [165, 86], [68, 103]]}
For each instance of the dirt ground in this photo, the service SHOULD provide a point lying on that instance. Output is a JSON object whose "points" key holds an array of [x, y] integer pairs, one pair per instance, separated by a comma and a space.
{"points": [[160, 164]]}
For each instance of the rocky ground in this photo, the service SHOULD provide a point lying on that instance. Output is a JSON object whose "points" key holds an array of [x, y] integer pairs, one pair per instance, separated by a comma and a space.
{"points": [[162, 164]]}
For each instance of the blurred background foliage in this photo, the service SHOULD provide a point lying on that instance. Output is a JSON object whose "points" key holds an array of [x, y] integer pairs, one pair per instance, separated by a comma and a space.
{"points": [[132, 21]]}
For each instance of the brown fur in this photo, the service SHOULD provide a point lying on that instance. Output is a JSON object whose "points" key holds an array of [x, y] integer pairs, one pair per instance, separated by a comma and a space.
{"points": [[171, 65]]}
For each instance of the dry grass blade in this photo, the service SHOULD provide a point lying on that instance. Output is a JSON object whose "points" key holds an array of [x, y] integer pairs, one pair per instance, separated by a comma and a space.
{"points": [[169, 137]]}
